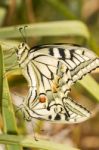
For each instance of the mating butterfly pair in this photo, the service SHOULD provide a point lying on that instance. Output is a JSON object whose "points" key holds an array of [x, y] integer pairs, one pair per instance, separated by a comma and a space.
{"points": [[50, 71]]}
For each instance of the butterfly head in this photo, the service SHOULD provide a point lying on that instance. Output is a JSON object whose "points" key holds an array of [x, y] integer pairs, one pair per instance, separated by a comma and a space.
{"points": [[22, 51], [22, 47]]}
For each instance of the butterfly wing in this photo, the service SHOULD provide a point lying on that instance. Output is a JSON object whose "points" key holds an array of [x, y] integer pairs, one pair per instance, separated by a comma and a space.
{"points": [[51, 75], [64, 111], [79, 60], [45, 75], [53, 81]]}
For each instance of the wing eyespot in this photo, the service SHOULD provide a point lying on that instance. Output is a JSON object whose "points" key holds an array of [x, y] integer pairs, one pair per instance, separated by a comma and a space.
{"points": [[42, 99]]}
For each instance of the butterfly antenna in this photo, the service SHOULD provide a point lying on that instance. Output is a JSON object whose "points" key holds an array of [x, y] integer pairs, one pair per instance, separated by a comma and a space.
{"points": [[21, 32], [25, 33]]}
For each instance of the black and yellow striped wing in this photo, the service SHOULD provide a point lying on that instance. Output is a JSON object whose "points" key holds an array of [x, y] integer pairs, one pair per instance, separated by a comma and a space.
{"points": [[79, 60]]}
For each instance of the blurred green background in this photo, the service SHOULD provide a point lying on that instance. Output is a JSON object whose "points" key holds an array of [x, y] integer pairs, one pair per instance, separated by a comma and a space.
{"points": [[48, 21]]}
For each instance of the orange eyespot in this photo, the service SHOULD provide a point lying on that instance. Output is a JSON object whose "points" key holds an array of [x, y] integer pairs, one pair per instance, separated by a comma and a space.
{"points": [[42, 99]]}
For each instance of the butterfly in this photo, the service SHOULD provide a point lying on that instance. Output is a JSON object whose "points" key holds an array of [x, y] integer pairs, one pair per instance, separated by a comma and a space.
{"points": [[50, 71]]}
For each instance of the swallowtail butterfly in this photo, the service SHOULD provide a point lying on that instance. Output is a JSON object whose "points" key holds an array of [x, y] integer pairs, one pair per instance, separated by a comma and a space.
{"points": [[50, 71]]}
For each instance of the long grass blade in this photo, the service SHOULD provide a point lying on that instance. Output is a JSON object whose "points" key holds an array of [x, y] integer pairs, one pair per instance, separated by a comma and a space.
{"points": [[1, 78], [91, 86], [7, 111], [57, 28], [30, 142]]}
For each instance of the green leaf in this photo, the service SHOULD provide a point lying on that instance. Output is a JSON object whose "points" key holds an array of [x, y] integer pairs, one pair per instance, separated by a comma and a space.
{"points": [[30, 142], [57, 28]]}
